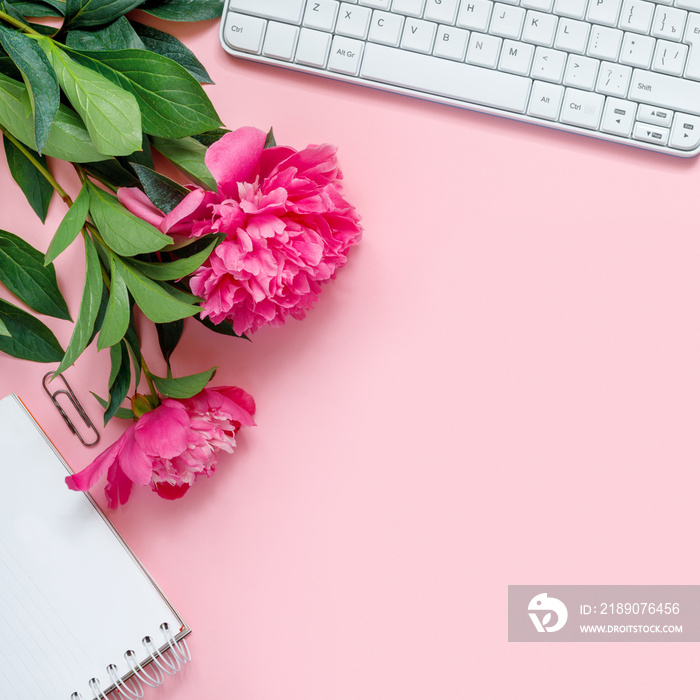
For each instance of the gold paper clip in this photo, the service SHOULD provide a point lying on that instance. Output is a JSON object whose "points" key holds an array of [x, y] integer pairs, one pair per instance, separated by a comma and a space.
{"points": [[76, 405]]}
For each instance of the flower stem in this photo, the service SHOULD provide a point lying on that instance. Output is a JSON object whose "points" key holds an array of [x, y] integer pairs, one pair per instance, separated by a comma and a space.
{"points": [[147, 372], [18, 24], [30, 157]]}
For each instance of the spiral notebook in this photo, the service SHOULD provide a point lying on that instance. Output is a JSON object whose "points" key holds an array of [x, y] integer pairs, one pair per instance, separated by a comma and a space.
{"points": [[79, 615]]}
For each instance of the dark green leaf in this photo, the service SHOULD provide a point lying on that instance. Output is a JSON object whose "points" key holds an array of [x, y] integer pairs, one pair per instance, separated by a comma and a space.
{"points": [[23, 272], [111, 113], [118, 313], [176, 269], [70, 226], [165, 193], [270, 140], [92, 13], [5, 332], [28, 338], [172, 102], [159, 305], [39, 78], [123, 413], [125, 233], [183, 387], [104, 300], [89, 306], [34, 185], [187, 155], [184, 10], [170, 47], [34, 9], [169, 335], [11, 10], [119, 379], [58, 5], [112, 173], [177, 292], [131, 338], [207, 138], [143, 157], [224, 328], [8, 67], [115, 36]]}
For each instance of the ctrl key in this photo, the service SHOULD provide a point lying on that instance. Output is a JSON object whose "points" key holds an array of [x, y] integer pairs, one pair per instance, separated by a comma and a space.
{"points": [[244, 33], [685, 132]]}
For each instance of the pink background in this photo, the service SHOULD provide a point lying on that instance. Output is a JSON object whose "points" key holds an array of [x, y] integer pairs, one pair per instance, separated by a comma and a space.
{"points": [[501, 387]]}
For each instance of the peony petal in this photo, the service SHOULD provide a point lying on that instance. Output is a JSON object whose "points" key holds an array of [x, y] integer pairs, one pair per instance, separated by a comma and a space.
{"points": [[88, 477], [135, 463], [191, 204], [118, 487], [163, 431], [139, 204], [233, 158], [170, 491]]}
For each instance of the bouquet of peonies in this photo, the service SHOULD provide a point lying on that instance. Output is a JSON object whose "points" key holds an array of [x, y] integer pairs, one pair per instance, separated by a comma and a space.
{"points": [[248, 242]]}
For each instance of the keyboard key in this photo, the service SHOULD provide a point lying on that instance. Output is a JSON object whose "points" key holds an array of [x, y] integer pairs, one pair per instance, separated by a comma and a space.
{"points": [[665, 91], [637, 50], [541, 5], [685, 133], [582, 108], [483, 50], [414, 8], [650, 134], [581, 72], [507, 21], [385, 28], [669, 23], [572, 35], [418, 35], [451, 42], [280, 41], [459, 81], [654, 115], [604, 43], [545, 100], [312, 49], [321, 14], [353, 21], [604, 12], [243, 32], [613, 79], [669, 57], [539, 28], [474, 15], [516, 57], [548, 64], [576, 9], [443, 11], [376, 4], [282, 10], [636, 16], [618, 117], [345, 55]]}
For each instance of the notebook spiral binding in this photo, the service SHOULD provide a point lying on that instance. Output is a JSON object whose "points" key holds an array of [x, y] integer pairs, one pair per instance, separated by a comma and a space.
{"points": [[165, 663]]}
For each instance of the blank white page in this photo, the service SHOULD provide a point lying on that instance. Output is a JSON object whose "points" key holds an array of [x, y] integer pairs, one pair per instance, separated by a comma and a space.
{"points": [[73, 598]]}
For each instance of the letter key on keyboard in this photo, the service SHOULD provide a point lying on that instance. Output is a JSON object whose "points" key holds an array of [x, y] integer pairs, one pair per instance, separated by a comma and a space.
{"points": [[626, 71]]}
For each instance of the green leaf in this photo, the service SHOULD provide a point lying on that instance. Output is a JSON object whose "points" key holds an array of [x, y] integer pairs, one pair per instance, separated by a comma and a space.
{"points": [[27, 337], [187, 155], [125, 233], [172, 102], [225, 327], [92, 13], [34, 185], [118, 312], [183, 387], [167, 45], [169, 335], [165, 193], [8, 67], [143, 157], [111, 114], [39, 78], [176, 269], [270, 140], [112, 173], [101, 311], [34, 9], [118, 35], [119, 379], [123, 413], [89, 306], [184, 10], [23, 272], [152, 299], [70, 226], [5, 332], [68, 138], [131, 338], [207, 138]]}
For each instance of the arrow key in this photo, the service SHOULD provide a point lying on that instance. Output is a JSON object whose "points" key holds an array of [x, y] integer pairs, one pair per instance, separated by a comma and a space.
{"points": [[650, 134], [618, 117], [685, 132], [654, 115]]}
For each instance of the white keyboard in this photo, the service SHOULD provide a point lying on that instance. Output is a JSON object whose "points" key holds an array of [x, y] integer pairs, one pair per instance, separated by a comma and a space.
{"points": [[622, 70]]}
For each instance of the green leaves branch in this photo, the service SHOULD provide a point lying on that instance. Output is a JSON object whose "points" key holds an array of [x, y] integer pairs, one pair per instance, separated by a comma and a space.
{"points": [[100, 92]]}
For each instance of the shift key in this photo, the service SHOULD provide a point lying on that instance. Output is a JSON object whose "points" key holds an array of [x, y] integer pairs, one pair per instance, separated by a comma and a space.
{"points": [[665, 91]]}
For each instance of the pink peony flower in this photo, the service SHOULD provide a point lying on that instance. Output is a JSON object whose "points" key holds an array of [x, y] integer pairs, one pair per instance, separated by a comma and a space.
{"points": [[288, 228], [170, 446]]}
